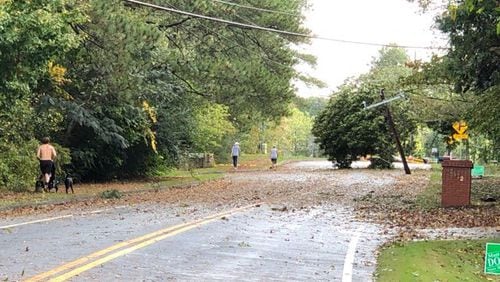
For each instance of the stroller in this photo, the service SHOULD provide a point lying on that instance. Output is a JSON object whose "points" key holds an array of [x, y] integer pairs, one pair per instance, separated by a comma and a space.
{"points": [[39, 185]]}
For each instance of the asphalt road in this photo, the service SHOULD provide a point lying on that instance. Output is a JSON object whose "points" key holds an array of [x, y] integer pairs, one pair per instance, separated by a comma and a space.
{"points": [[263, 241]]}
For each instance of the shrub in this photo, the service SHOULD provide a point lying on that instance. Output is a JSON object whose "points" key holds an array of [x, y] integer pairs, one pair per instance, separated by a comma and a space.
{"points": [[19, 167]]}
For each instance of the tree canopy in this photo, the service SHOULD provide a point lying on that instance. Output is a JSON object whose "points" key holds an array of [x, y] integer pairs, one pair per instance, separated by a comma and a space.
{"points": [[466, 80], [345, 130], [126, 89]]}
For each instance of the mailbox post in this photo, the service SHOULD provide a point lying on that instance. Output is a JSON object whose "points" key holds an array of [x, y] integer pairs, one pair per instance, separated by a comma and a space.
{"points": [[456, 185]]}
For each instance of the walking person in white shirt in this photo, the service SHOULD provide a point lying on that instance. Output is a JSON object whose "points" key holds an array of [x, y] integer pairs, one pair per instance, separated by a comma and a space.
{"points": [[235, 152], [274, 157]]}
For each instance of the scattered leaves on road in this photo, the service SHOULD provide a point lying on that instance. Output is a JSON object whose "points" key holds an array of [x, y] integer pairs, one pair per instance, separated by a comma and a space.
{"points": [[383, 196]]}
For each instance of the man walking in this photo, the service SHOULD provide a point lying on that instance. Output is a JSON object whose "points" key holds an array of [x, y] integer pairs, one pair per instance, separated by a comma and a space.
{"points": [[274, 157], [46, 154], [235, 152]]}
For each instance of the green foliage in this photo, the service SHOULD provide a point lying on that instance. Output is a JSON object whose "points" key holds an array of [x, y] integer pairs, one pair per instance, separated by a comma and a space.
{"points": [[293, 134], [19, 166], [247, 70], [212, 127], [104, 106], [63, 159], [32, 35], [474, 57], [484, 120], [129, 89], [464, 83], [312, 105], [345, 131], [390, 58]]}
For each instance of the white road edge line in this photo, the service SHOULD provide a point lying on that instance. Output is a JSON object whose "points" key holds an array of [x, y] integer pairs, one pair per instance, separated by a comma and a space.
{"points": [[35, 221], [57, 217], [349, 257]]}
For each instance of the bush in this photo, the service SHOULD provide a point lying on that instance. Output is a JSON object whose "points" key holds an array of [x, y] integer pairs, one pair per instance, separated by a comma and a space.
{"points": [[19, 167]]}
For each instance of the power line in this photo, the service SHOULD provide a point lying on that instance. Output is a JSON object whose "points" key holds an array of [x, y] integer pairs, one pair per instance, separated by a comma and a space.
{"points": [[257, 9], [237, 43], [276, 30], [240, 45]]}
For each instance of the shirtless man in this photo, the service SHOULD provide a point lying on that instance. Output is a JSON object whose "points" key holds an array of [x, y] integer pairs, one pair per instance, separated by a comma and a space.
{"points": [[46, 154]]}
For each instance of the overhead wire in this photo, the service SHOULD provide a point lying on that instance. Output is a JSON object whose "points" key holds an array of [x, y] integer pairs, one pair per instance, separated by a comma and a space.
{"points": [[238, 43], [244, 47], [284, 32], [257, 8]]}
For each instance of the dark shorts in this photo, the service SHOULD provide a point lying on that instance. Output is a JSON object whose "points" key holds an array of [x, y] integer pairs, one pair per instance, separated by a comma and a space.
{"points": [[274, 161], [46, 166]]}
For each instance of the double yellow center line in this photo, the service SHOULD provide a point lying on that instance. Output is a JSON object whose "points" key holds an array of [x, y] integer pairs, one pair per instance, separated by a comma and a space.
{"points": [[90, 261]]}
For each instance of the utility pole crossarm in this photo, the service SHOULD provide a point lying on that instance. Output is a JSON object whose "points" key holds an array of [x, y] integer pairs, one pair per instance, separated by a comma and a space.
{"points": [[400, 96]]}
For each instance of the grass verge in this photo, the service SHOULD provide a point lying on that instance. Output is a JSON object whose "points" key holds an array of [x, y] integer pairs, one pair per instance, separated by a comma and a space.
{"points": [[461, 260], [431, 197], [86, 191], [480, 189]]}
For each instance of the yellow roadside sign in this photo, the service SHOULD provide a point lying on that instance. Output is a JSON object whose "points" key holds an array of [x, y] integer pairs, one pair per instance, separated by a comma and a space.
{"points": [[460, 136], [460, 127]]}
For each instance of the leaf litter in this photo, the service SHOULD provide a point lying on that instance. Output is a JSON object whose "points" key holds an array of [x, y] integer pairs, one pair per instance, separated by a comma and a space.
{"points": [[387, 197]]}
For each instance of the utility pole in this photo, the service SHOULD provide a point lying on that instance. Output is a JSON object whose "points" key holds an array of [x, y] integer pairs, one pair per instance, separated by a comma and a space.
{"points": [[392, 127]]}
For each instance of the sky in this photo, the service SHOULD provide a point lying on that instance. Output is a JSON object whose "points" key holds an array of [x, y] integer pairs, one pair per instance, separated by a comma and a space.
{"points": [[382, 21]]}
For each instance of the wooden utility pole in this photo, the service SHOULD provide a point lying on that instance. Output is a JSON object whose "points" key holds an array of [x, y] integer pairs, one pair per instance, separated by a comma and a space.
{"points": [[392, 127]]}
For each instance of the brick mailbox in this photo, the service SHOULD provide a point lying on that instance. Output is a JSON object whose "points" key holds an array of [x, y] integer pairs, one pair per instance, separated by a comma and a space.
{"points": [[456, 183]]}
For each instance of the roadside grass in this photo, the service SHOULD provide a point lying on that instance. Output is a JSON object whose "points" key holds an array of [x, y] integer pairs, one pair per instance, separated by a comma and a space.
{"points": [[202, 174], [492, 170], [461, 260], [489, 186], [439, 260], [86, 191], [431, 197]]}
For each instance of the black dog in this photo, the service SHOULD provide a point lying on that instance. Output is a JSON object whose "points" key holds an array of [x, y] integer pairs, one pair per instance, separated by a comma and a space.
{"points": [[68, 183]]}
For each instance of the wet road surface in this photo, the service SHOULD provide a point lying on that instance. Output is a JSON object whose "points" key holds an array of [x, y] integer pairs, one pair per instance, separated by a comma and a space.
{"points": [[306, 232]]}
